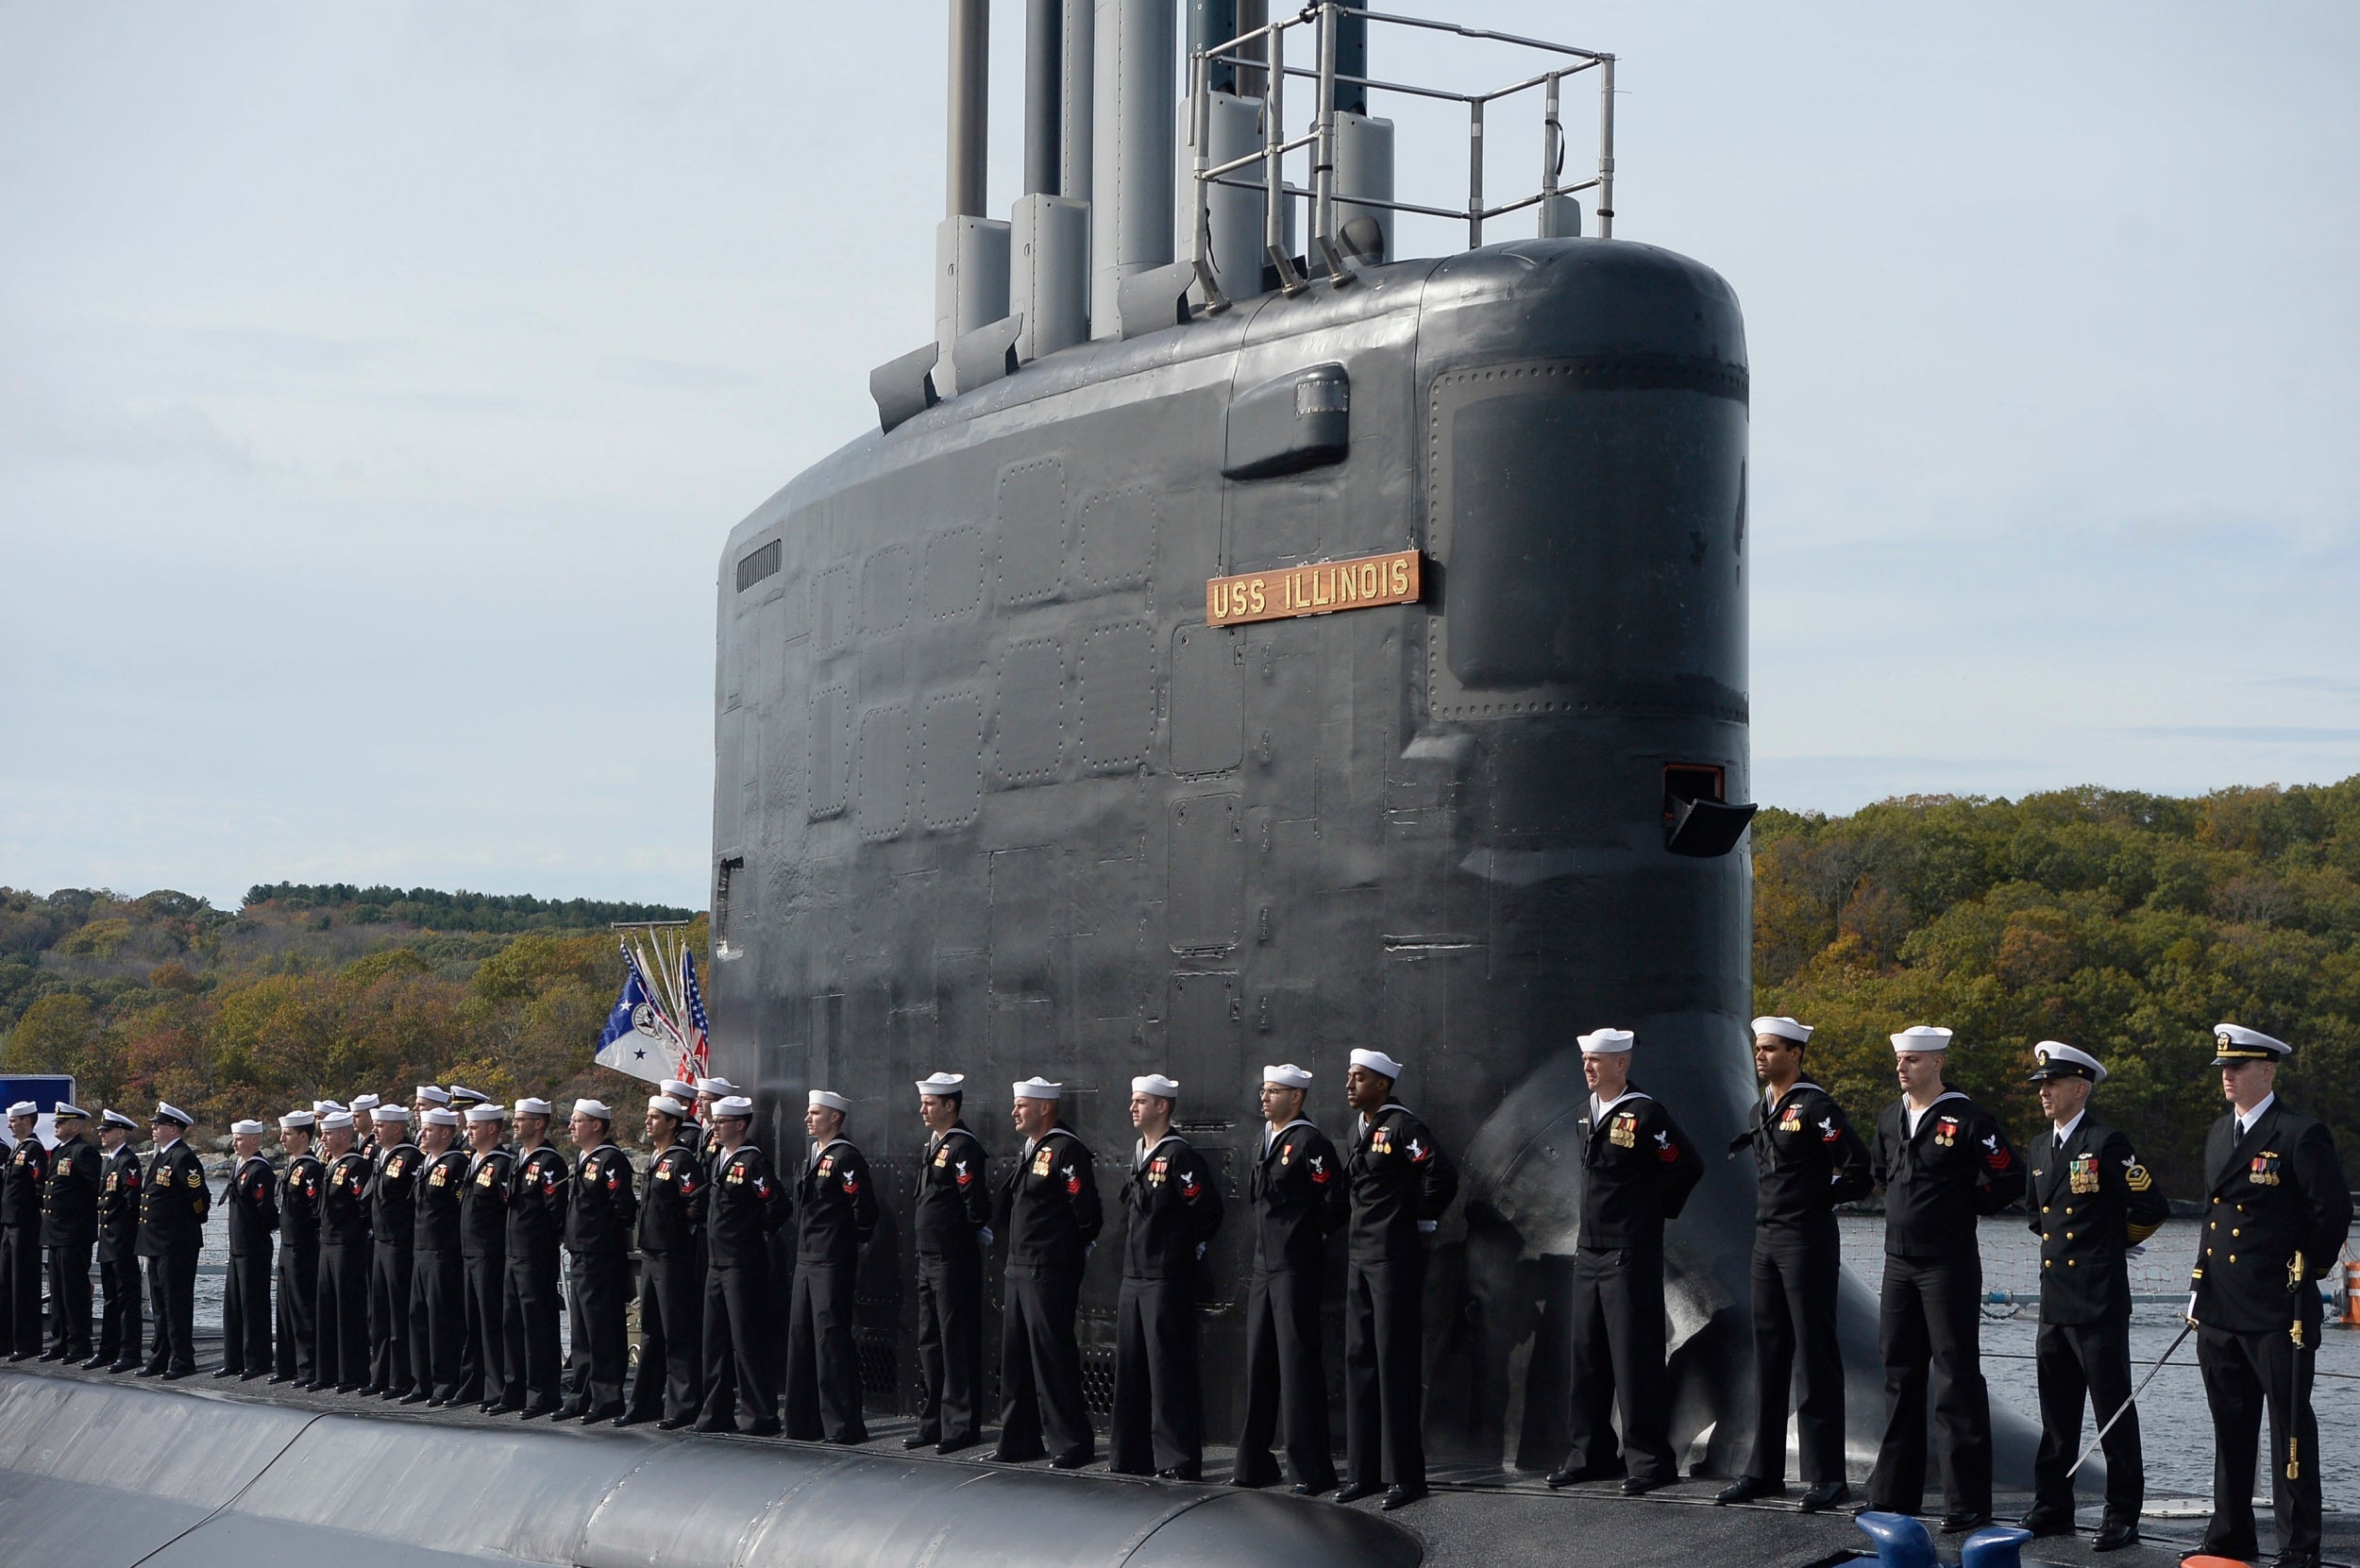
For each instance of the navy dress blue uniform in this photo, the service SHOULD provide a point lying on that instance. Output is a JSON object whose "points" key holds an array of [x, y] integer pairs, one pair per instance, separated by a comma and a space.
{"points": [[1953, 1167], [69, 1229], [122, 1327], [438, 1287], [599, 1219], [342, 1299], [1173, 1205], [745, 1207], [20, 1248], [1638, 1169], [302, 1182], [1806, 1159], [2090, 1199], [252, 1199], [175, 1202], [1049, 1212], [538, 1196], [835, 1214], [1400, 1181], [484, 1269], [953, 1206], [393, 1228], [670, 1382], [1296, 1199], [2277, 1209]]}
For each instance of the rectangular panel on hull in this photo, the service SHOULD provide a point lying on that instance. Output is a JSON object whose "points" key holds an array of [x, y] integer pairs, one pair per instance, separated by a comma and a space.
{"points": [[1207, 700], [1204, 1040], [1205, 875]]}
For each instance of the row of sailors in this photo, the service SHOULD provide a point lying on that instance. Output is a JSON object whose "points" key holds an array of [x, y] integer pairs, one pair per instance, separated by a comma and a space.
{"points": [[2277, 1210]]}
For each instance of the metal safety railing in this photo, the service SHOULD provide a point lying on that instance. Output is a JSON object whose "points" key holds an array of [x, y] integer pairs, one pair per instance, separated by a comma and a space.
{"points": [[1261, 53]]}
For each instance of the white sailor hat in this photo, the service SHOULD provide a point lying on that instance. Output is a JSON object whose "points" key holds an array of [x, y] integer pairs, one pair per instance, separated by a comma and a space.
{"points": [[943, 1083], [389, 1113], [1607, 1042], [165, 1111], [321, 1108], [487, 1110], [668, 1105], [1156, 1085], [732, 1105], [1377, 1062], [679, 1089], [828, 1100], [434, 1094], [1920, 1037], [716, 1086], [1784, 1028], [1036, 1087], [116, 1119], [2234, 1042], [440, 1116], [1287, 1075], [334, 1121], [2060, 1060], [598, 1108], [531, 1104], [462, 1096], [246, 1127], [298, 1121], [64, 1109], [364, 1102], [22, 1107]]}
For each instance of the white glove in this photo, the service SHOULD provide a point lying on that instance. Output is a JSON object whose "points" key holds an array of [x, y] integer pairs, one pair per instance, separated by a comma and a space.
{"points": [[2139, 1251], [982, 1234], [2190, 1313], [1200, 1252], [1428, 1227]]}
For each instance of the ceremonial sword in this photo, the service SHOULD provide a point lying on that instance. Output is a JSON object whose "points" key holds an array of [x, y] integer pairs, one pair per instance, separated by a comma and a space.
{"points": [[2184, 1330]]}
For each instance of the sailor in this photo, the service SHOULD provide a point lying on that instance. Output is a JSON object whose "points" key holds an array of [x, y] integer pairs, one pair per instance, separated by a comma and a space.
{"points": [[670, 1382], [483, 1253], [463, 1100], [341, 1355], [69, 1229], [746, 1207], [538, 1193], [710, 1093], [364, 1129], [1048, 1208], [424, 1098], [300, 1182], [20, 1235], [1638, 1169], [599, 1219], [953, 1228], [835, 1214], [1943, 1160], [2277, 1209], [393, 1224], [1297, 1196], [438, 1284], [122, 1327], [174, 1203], [1173, 1205], [1400, 1184], [2091, 1204], [251, 1198], [1806, 1159]]}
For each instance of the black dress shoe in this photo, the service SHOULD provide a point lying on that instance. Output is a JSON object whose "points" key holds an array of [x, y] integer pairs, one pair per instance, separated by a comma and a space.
{"points": [[2295, 1559], [1958, 1524], [603, 1413], [1305, 1489], [1180, 1472], [628, 1419], [1401, 1497], [1358, 1489], [916, 1441], [176, 1375], [763, 1429], [227, 1371], [279, 1377], [57, 1354], [438, 1402], [533, 1411], [1576, 1476], [416, 1396], [2114, 1535], [846, 1439], [353, 1388], [94, 1363], [1747, 1488], [248, 1376], [958, 1445], [1009, 1456], [20, 1355], [672, 1423], [2043, 1522], [151, 1372], [723, 1429], [1826, 1496], [1074, 1461], [1639, 1485], [125, 1366]]}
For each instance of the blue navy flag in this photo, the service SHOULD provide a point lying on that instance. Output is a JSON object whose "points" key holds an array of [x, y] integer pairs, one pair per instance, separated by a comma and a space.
{"points": [[638, 1038]]}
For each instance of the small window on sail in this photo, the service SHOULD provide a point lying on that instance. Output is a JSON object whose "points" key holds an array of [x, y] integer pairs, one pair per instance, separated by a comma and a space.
{"points": [[1690, 781], [756, 564]]}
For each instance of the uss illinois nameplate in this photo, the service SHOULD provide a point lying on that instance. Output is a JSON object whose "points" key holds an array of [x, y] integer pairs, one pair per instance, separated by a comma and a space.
{"points": [[1313, 590]]}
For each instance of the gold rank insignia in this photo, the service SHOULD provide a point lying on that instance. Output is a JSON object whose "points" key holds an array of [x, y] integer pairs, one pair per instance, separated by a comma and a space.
{"points": [[2135, 1177], [1624, 1129], [195, 1177]]}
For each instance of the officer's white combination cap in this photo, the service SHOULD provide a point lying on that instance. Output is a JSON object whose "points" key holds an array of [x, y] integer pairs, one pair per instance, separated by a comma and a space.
{"points": [[532, 1104], [1287, 1075], [668, 1105], [1156, 1085], [440, 1116], [65, 1110], [828, 1100], [733, 1105], [23, 1108], [293, 1119], [1377, 1062], [390, 1113], [1037, 1088], [1784, 1028], [164, 1112], [943, 1083], [487, 1111], [248, 1127], [598, 1108], [2234, 1042], [1921, 1036], [434, 1094], [1607, 1042], [716, 1086], [116, 1119], [335, 1120], [462, 1096], [366, 1101], [2054, 1054]]}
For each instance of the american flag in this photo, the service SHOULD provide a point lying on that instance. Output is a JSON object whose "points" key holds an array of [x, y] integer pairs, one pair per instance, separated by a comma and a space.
{"points": [[694, 1064]]}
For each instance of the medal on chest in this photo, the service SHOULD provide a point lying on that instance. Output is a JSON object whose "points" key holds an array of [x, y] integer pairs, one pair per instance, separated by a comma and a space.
{"points": [[1381, 1142], [2083, 1174], [435, 1177], [1623, 1131], [1158, 1171], [1946, 1131], [2262, 1171], [1043, 1160]]}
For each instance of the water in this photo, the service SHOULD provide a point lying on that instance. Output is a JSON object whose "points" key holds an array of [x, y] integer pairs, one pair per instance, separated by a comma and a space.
{"points": [[2175, 1426]]}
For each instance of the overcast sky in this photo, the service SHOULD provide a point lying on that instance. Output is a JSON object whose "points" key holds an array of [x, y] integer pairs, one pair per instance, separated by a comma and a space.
{"points": [[378, 383]]}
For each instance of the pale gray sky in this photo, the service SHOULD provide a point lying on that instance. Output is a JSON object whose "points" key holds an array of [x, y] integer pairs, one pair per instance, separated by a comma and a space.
{"points": [[378, 381]]}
